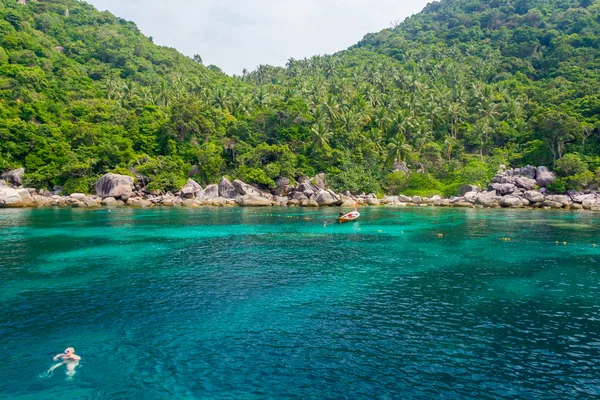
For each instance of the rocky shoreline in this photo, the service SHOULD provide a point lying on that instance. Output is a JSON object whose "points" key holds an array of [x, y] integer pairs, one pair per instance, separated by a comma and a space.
{"points": [[514, 188]]}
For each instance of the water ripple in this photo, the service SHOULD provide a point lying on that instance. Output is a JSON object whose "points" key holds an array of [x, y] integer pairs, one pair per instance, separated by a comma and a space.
{"points": [[237, 303]]}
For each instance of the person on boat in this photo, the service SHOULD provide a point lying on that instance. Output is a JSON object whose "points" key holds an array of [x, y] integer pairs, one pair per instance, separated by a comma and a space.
{"points": [[342, 214], [69, 358]]}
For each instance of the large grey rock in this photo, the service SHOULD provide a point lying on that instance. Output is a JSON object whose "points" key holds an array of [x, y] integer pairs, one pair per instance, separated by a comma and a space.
{"points": [[442, 203], [583, 197], [470, 196], [306, 187], [372, 201], [525, 183], [250, 200], [139, 203], [284, 187], [552, 204], [327, 198], [348, 203], [463, 204], [468, 188], [10, 197], [282, 182], [488, 200], [299, 196], [504, 189], [14, 177], [318, 183], [417, 200], [309, 203], [113, 185], [405, 199], [109, 202], [390, 200], [544, 177], [511, 202], [528, 172], [281, 201], [189, 190], [208, 194], [590, 203], [534, 196], [508, 179], [562, 199], [246, 189], [227, 190]]}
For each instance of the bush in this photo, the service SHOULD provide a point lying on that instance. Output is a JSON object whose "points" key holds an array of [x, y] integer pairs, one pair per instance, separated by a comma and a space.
{"points": [[83, 184], [571, 164], [255, 175], [475, 173], [356, 178], [452, 189], [122, 171], [423, 185], [396, 182], [166, 181], [165, 173], [558, 186], [577, 182]]}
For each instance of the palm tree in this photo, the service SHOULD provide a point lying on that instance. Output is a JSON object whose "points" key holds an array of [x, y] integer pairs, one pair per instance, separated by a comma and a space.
{"points": [[261, 98], [111, 85], [320, 137], [221, 99], [375, 135], [455, 112], [331, 107], [399, 150]]}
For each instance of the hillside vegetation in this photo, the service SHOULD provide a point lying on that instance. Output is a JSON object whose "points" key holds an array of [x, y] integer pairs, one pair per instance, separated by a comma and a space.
{"points": [[452, 93]]}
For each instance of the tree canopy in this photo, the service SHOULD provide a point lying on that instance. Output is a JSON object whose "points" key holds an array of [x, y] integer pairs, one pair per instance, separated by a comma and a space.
{"points": [[452, 92]]}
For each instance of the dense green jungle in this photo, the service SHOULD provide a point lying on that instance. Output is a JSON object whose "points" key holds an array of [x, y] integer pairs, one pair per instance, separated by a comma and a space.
{"points": [[447, 95]]}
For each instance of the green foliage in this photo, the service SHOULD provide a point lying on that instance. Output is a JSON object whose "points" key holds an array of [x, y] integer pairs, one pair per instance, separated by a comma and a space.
{"points": [[502, 82], [82, 184], [122, 171], [475, 173], [571, 164], [255, 175], [396, 182], [423, 185], [164, 173], [355, 178], [211, 163], [558, 186], [577, 182]]}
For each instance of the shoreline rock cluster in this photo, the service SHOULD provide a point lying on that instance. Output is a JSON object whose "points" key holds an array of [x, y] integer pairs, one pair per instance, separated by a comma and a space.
{"points": [[514, 188]]}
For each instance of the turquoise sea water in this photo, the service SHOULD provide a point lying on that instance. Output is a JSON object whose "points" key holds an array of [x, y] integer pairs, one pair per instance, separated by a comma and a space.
{"points": [[253, 303]]}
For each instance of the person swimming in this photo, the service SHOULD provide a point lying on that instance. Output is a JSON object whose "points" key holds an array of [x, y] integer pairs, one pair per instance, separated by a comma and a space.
{"points": [[69, 358]]}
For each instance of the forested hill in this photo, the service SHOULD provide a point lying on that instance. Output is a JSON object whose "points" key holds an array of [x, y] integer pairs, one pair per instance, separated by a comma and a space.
{"points": [[542, 39], [453, 92]]}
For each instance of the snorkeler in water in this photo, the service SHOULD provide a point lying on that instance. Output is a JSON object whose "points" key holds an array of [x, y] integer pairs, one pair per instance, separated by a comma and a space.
{"points": [[69, 358]]}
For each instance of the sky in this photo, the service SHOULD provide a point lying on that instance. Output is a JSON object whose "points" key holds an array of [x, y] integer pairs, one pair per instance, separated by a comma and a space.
{"points": [[238, 34]]}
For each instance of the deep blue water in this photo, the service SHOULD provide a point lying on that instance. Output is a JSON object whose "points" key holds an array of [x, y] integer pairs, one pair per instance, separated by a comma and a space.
{"points": [[270, 303]]}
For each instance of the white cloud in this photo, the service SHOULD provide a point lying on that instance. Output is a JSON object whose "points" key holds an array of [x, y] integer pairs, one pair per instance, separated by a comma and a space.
{"points": [[237, 34]]}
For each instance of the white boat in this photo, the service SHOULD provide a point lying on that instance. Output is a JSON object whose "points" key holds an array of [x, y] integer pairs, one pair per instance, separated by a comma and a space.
{"points": [[351, 216]]}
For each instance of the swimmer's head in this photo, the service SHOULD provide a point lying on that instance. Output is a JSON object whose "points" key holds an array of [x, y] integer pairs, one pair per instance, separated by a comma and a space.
{"points": [[69, 350]]}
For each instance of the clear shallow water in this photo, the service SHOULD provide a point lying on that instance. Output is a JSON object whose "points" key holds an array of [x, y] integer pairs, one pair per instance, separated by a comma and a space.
{"points": [[246, 303]]}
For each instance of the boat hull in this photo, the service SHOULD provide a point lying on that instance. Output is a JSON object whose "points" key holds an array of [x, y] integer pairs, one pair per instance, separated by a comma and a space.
{"points": [[351, 216]]}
